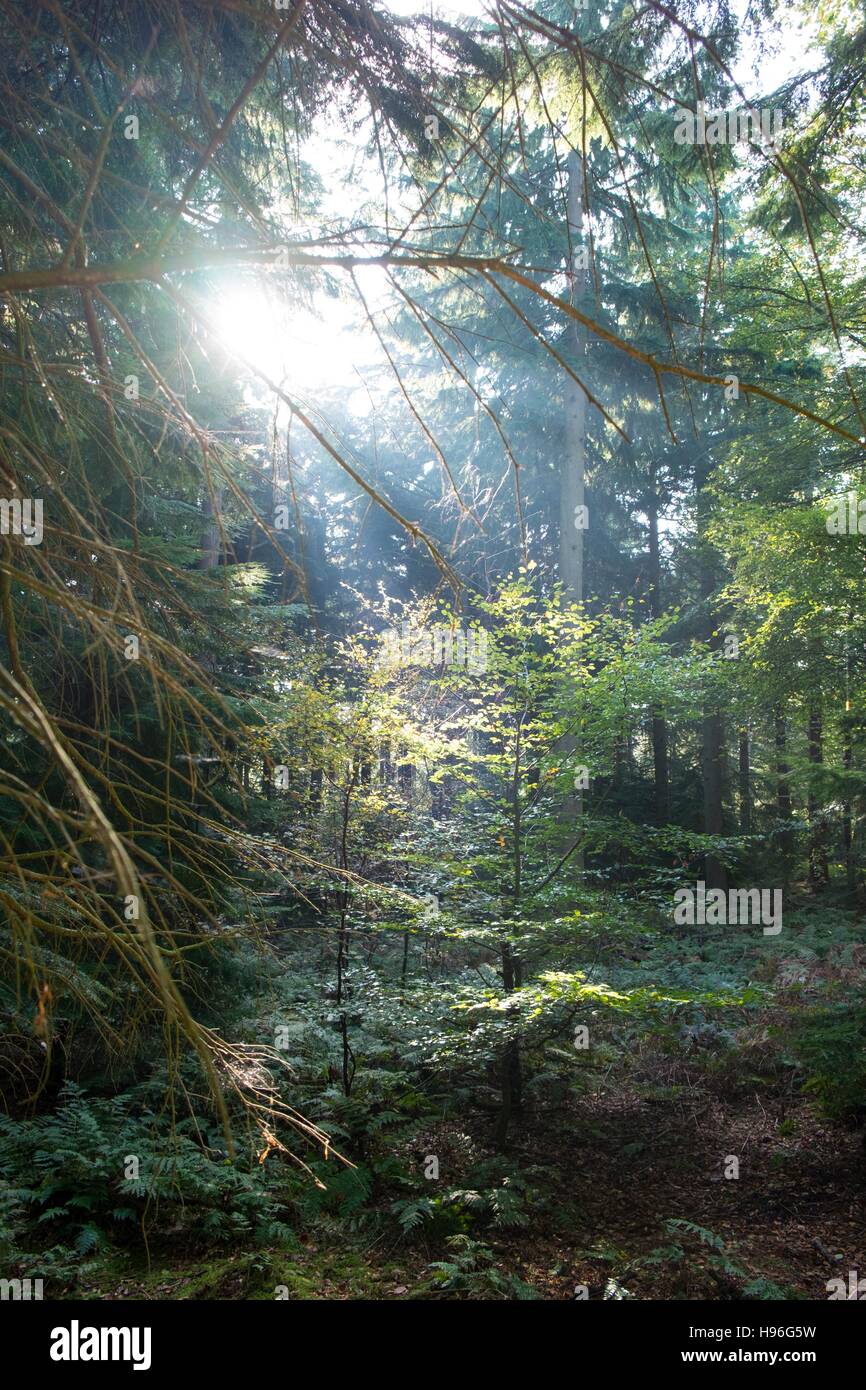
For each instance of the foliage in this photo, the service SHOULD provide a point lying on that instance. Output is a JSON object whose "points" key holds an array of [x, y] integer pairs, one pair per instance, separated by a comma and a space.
{"points": [[332, 931]]}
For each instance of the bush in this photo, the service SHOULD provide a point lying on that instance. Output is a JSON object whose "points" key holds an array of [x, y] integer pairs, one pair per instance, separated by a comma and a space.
{"points": [[66, 1173], [831, 1045]]}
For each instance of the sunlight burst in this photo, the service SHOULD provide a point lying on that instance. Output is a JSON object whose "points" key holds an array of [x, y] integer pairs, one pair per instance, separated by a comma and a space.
{"points": [[295, 347]]}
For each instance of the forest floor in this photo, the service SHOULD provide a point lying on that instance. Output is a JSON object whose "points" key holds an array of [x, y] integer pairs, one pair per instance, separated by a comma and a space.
{"points": [[631, 1163], [612, 1170]]}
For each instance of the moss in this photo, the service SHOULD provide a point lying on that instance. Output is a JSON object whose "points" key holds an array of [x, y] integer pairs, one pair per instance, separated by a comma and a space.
{"points": [[306, 1275]]}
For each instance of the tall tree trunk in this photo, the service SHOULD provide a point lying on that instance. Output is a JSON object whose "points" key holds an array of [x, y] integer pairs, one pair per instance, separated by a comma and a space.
{"points": [[847, 824], [819, 871], [661, 774], [572, 517], [715, 872], [573, 470], [745, 783], [712, 724], [347, 1057], [783, 789], [510, 1064], [783, 786]]}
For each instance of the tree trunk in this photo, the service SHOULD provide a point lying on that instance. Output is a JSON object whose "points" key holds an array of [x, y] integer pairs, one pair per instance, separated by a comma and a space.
{"points": [[572, 519], [510, 1065], [315, 802], [847, 824], [661, 776], [405, 775], [386, 771], [347, 1055], [712, 725], [745, 779], [572, 472], [209, 557], [783, 789], [715, 873], [510, 1068], [819, 871]]}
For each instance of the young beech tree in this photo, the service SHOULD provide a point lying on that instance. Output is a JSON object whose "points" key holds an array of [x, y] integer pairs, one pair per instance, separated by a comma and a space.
{"points": [[500, 740]]}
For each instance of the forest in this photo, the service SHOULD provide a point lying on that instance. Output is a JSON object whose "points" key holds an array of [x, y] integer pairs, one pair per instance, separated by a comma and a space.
{"points": [[432, 650]]}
